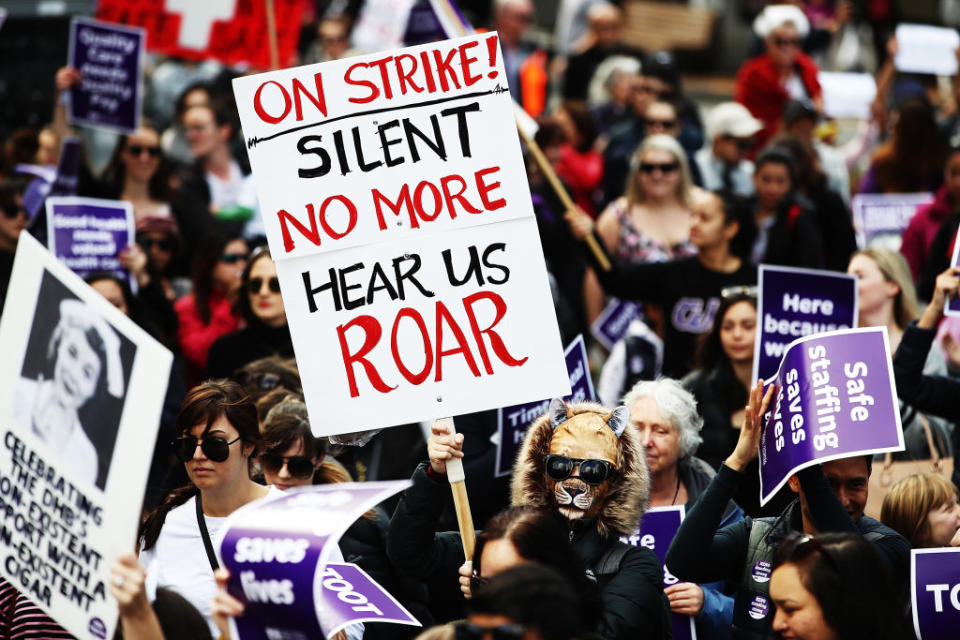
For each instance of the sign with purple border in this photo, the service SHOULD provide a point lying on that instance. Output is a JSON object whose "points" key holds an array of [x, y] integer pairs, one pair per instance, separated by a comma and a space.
{"points": [[935, 592], [835, 399], [657, 529], [110, 59], [952, 306], [513, 422], [794, 302], [277, 552], [86, 234], [613, 321], [880, 218]]}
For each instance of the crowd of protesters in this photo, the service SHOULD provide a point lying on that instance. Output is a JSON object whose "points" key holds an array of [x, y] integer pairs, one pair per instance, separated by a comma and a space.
{"points": [[684, 200]]}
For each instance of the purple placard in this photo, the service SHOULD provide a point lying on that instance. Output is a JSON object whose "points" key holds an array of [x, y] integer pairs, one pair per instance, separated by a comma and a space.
{"points": [[349, 596], [935, 593], [513, 422], [792, 303], [276, 551], [952, 306], [613, 321], [110, 57], [880, 218], [835, 399], [657, 529], [86, 234]]}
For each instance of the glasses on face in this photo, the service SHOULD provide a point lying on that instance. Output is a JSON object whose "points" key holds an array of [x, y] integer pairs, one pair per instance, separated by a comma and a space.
{"points": [[786, 42], [214, 448], [666, 167], [297, 466], [467, 631], [264, 381], [138, 149], [12, 210], [233, 258], [147, 243], [256, 284], [665, 124], [591, 471], [743, 144]]}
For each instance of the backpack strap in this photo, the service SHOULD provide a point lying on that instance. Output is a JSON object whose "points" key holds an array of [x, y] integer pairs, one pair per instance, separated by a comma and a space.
{"points": [[207, 544], [609, 562]]}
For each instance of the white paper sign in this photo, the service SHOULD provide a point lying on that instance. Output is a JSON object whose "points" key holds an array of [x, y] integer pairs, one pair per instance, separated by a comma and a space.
{"points": [[81, 390], [397, 209], [925, 49], [847, 95]]}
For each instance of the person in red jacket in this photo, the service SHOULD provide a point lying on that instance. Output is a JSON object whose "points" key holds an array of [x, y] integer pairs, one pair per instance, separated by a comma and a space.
{"points": [[919, 234], [767, 82]]}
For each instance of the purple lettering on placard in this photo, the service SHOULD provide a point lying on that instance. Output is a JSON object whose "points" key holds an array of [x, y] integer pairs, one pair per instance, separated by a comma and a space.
{"points": [[87, 234], [109, 57], [612, 323], [792, 303], [835, 398], [657, 530], [513, 422], [935, 592], [349, 596]]}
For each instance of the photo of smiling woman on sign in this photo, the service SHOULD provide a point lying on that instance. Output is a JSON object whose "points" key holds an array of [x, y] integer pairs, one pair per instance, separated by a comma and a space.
{"points": [[72, 383]]}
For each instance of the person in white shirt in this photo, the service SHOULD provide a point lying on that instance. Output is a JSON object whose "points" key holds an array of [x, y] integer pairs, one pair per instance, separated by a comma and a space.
{"points": [[722, 163]]}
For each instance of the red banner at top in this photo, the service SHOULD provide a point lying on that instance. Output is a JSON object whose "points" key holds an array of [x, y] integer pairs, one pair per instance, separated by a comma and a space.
{"points": [[231, 31]]}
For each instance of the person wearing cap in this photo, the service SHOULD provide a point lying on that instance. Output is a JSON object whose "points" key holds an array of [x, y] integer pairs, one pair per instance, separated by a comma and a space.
{"points": [[800, 118], [783, 72], [723, 166]]}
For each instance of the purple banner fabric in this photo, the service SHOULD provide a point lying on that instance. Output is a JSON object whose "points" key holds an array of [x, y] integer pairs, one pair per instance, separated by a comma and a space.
{"points": [[109, 56], [835, 398], [277, 550], [513, 422], [935, 589], [349, 595], [612, 323], [657, 530], [793, 303], [87, 234]]}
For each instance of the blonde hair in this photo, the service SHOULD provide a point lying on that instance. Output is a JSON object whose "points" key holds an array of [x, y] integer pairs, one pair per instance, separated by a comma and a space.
{"points": [[658, 142], [910, 500], [894, 268]]}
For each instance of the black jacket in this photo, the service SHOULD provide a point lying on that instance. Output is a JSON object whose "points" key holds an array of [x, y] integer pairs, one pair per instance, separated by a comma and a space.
{"points": [[234, 350], [794, 239]]}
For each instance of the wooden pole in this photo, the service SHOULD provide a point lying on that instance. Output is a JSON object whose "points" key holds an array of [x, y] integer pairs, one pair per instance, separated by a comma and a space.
{"points": [[272, 36], [458, 486], [561, 192]]}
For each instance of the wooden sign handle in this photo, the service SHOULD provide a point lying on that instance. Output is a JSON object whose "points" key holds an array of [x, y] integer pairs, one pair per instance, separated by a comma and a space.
{"points": [[458, 486]]}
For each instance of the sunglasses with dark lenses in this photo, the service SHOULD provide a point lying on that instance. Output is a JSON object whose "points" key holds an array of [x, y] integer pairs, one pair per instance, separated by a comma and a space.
{"points": [[786, 42], [298, 466], [137, 149], [666, 167], [666, 124], [467, 631], [164, 244], [256, 284], [11, 210], [806, 545], [214, 448], [591, 471], [233, 258], [264, 381]]}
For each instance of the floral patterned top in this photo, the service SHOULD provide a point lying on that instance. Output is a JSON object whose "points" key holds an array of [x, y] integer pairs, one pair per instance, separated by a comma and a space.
{"points": [[637, 246]]}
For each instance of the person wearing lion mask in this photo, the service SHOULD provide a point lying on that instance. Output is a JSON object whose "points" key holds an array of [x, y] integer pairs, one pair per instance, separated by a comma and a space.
{"points": [[577, 461]]}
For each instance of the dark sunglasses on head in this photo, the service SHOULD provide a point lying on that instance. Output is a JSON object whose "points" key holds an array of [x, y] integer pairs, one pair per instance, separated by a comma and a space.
{"points": [[137, 149], [299, 466], [806, 545], [233, 258], [164, 244], [591, 471], [739, 290], [214, 448], [264, 381], [786, 42], [467, 631], [666, 167], [256, 284]]}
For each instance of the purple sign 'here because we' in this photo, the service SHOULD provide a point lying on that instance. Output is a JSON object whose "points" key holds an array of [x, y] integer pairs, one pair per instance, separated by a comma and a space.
{"points": [[835, 398]]}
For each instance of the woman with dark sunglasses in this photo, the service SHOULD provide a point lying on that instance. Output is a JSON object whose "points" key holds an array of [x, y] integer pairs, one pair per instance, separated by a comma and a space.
{"points": [[139, 173], [815, 599], [261, 307]]}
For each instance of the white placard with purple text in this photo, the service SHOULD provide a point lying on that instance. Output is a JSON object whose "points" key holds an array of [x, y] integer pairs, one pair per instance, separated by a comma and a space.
{"points": [[396, 206], [81, 391], [835, 398], [935, 592]]}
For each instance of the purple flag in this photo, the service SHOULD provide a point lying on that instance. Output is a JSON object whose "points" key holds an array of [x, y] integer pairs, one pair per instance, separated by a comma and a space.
{"points": [[513, 422], [277, 552], [792, 303], [613, 321], [657, 530], [86, 234], [835, 399], [935, 593], [110, 58]]}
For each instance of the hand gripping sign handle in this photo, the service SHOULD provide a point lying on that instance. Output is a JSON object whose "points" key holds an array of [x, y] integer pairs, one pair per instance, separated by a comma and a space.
{"points": [[561, 192], [458, 486]]}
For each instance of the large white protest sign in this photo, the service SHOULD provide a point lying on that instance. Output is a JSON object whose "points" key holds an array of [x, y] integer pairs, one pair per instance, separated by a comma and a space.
{"points": [[847, 95], [396, 205], [925, 49], [81, 390]]}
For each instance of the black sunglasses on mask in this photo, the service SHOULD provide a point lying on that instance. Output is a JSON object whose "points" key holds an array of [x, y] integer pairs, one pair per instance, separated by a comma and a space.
{"points": [[214, 448], [591, 471]]}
